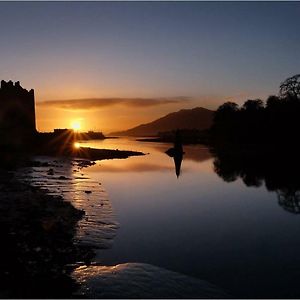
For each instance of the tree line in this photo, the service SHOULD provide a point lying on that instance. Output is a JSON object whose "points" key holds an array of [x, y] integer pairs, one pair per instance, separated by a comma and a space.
{"points": [[277, 120]]}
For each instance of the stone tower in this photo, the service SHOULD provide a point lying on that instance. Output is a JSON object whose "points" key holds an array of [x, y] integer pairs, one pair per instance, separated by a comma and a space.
{"points": [[17, 114]]}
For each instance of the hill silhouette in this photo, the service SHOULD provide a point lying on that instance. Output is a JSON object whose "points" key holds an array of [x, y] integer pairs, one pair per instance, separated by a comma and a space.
{"points": [[197, 118]]}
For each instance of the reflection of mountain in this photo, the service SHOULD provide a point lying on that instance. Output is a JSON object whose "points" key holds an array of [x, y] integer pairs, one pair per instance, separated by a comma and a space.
{"points": [[278, 170], [133, 167], [196, 118]]}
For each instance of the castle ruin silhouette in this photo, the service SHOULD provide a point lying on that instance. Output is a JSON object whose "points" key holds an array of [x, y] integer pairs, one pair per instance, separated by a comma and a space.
{"points": [[17, 114]]}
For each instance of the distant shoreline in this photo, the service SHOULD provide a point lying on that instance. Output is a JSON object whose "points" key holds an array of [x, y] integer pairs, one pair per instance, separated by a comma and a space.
{"points": [[100, 154]]}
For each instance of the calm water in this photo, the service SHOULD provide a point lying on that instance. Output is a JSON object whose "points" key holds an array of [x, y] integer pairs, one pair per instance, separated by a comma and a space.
{"points": [[237, 237], [159, 236]]}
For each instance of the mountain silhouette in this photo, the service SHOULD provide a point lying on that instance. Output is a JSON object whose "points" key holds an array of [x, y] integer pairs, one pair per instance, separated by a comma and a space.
{"points": [[197, 118]]}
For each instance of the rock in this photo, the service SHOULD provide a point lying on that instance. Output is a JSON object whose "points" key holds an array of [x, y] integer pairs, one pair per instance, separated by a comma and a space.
{"points": [[50, 172]]}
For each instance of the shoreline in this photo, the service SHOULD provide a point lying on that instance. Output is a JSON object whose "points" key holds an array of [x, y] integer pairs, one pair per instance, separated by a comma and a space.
{"points": [[38, 249], [101, 154], [92, 154]]}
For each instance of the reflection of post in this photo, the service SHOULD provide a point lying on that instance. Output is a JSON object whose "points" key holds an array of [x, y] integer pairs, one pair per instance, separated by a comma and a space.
{"points": [[177, 160], [176, 152]]}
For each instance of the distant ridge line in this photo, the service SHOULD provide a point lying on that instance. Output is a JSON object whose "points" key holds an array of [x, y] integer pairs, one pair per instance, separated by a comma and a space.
{"points": [[199, 118]]}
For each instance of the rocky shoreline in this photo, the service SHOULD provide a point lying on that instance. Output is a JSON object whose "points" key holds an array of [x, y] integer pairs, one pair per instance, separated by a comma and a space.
{"points": [[38, 251]]}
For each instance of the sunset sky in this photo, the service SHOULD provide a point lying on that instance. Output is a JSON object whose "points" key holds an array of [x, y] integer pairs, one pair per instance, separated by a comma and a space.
{"points": [[114, 65]]}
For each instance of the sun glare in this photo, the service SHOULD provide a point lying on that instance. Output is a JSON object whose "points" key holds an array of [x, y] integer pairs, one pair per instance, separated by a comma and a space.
{"points": [[76, 125], [76, 145]]}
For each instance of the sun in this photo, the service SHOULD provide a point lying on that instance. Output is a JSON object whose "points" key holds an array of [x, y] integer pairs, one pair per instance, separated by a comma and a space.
{"points": [[75, 125], [77, 145]]}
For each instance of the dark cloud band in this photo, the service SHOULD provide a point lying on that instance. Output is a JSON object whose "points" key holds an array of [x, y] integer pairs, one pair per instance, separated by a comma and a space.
{"points": [[94, 103]]}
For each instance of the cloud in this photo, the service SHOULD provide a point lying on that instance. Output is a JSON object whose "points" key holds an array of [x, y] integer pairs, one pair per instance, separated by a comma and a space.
{"points": [[96, 103]]}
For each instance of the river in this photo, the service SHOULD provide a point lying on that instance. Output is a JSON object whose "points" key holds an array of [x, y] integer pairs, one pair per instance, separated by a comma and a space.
{"points": [[233, 235], [234, 224]]}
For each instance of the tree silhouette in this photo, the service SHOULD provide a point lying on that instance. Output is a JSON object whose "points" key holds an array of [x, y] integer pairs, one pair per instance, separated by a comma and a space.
{"points": [[289, 200], [290, 88], [225, 122], [253, 105], [273, 103], [259, 143], [257, 123], [226, 111]]}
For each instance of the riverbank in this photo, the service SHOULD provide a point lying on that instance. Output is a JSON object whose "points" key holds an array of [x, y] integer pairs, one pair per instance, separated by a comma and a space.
{"points": [[73, 150], [100, 154], [38, 252], [39, 229], [52, 219]]}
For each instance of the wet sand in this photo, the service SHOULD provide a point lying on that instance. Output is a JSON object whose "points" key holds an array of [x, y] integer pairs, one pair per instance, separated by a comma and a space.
{"points": [[66, 178], [38, 252]]}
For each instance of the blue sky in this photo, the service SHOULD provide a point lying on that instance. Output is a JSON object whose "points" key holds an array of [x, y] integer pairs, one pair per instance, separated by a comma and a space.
{"points": [[207, 51]]}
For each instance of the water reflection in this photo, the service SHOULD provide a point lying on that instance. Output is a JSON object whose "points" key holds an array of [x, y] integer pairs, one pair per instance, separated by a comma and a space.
{"points": [[146, 282], [156, 159], [277, 171], [197, 225], [177, 153]]}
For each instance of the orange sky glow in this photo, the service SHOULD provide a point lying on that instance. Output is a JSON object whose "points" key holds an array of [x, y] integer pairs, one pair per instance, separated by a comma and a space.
{"points": [[115, 65], [109, 114], [107, 118]]}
